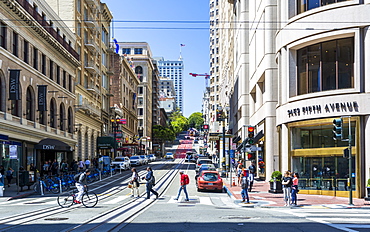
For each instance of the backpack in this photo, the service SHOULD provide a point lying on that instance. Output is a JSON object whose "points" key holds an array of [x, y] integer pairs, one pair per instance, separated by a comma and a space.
{"points": [[77, 176], [252, 169], [186, 179], [152, 180]]}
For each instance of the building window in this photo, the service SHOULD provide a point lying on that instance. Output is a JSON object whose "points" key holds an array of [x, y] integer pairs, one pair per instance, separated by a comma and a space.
{"points": [[138, 51], [58, 74], [126, 51], [325, 66], [29, 105], [26, 49], [43, 64], [3, 35], [78, 4], [303, 6], [140, 112], [51, 69], [64, 79], [35, 58], [52, 113], [15, 43], [61, 117], [140, 90], [70, 120], [70, 83]]}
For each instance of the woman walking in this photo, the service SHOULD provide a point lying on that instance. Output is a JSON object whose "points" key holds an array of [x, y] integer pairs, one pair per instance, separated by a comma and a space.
{"points": [[135, 183], [295, 188], [9, 175], [287, 184], [150, 182]]}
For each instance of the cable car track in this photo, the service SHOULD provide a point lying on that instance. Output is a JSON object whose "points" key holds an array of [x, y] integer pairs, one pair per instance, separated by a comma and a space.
{"points": [[18, 220]]}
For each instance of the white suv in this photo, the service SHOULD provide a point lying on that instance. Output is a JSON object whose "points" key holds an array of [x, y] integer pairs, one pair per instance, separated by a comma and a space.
{"points": [[121, 163]]}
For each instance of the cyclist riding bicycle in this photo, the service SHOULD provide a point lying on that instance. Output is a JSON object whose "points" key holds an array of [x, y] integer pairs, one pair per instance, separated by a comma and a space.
{"points": [[81, 185]]}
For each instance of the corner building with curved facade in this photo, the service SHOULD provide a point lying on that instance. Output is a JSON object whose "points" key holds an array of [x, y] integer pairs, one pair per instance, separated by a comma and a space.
{"points": [[322, 52]]}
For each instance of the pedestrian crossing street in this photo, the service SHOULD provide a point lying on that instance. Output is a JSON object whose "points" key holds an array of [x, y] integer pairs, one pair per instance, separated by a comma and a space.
{"points": [[350, 220]]}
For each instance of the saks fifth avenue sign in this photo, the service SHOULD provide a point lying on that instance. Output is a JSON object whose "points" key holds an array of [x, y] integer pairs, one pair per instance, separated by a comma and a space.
{"points": [[48, 147], [327, 108]]}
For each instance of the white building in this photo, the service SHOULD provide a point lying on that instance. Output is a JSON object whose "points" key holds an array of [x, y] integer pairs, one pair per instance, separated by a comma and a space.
{"points": [[173, 70]]}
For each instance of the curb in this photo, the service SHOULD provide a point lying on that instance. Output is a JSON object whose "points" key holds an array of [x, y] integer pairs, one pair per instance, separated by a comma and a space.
{"points": [[20, 196]]}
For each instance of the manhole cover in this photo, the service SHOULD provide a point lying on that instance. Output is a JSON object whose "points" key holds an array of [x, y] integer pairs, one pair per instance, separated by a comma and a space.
{"points": [[55, 219], [236, 217], [32, 203]]}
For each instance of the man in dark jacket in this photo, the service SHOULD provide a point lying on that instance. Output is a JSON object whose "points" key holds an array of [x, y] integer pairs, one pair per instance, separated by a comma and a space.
{"points": [[150, 182]]}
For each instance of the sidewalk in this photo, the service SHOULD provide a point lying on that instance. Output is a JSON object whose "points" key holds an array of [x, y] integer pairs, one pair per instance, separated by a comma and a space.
{"points": [[260, 197], [12, 192]]}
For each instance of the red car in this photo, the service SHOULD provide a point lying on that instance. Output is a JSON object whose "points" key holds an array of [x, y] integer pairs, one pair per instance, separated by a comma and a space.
{"points": [[209, 180]]}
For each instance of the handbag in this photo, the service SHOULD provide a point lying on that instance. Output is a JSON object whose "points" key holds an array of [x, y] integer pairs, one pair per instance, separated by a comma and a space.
{"points": [[129, 186]]}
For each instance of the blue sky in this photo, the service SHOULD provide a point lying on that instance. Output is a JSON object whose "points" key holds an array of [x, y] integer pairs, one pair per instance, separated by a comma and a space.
{"points": [[188, 20]]}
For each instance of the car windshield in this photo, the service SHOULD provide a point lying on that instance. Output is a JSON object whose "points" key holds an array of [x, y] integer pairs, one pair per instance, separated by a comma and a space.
{"points": [[119, 159], [142, 156], [151, 155], [210, 176], [205, 161], [134, 157]]}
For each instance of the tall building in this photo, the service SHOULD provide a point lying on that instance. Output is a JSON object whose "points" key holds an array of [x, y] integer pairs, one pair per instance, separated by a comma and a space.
{"points": [[90, 21], [173, 70], [141, 56], [299, 75], [37, 93], [167, 95]]}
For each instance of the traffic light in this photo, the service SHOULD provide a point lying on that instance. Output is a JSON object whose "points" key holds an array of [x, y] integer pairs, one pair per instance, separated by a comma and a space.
{"points": [[337, 129], [250, 134], [141, 132], [219, 115], [205, 127]]}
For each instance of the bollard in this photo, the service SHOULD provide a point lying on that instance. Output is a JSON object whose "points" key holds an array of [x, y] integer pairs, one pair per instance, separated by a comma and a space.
{"points": [[111, 172], [60, 185], [100, 175], [41, 188]]}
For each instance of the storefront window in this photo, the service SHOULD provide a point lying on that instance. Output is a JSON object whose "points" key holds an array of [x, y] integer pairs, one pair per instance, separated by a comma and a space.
{"points": [[323, 173], [320, 136]]}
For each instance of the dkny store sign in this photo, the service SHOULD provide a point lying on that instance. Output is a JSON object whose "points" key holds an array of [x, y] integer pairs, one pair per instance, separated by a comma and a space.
{"points": [[327, 108]]}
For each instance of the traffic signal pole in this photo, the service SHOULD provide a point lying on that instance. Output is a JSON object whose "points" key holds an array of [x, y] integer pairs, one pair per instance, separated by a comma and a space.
{"points": [[350, 161]]}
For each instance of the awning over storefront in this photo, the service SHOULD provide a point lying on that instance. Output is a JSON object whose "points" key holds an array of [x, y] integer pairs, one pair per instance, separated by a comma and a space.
{"points": [[105, 142], [53, 145]]}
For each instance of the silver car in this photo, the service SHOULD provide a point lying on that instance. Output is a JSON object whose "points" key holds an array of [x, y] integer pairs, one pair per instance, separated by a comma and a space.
{"points": [[121, 163], [135, 160]]}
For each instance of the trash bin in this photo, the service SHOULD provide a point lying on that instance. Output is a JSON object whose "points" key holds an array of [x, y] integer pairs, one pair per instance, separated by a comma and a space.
{"points": [[23, 179]]}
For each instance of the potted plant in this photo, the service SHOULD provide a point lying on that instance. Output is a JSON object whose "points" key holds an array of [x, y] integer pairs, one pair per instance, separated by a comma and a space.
{"points": [[275, 182]]}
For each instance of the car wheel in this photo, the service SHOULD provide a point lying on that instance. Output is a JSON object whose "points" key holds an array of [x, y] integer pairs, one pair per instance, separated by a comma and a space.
{"points": [[198, 189]]}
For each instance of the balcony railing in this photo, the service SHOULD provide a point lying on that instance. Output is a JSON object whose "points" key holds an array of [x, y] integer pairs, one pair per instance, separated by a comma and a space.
{"points": [[38, 18]]}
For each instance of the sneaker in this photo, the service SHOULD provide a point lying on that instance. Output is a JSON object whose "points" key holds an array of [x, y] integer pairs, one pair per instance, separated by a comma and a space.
{"points": [[186, 199], [132, 196], [243, 200], [77, 202], [175, 199]]}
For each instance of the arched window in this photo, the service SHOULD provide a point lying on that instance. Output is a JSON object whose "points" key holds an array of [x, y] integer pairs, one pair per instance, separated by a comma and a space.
{"points": [[62, 117], [30, 104], [16, 105], [52, 113], [70, 120], [139, 70]]}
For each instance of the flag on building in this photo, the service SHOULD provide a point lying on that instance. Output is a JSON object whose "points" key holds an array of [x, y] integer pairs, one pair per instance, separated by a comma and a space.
{"points": [[182, 45], [117, 45]]}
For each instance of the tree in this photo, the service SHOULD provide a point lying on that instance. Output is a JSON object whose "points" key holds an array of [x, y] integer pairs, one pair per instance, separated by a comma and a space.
{"points": [[196, 120], [178, 122]]}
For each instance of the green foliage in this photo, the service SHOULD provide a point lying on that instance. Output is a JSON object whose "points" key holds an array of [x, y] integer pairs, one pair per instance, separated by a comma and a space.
{"points": [[368, 183], [178, 122], [196, 120], [163, 133], [276, 174]]}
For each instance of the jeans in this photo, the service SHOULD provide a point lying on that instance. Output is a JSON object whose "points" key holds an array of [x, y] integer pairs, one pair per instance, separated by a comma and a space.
{"points": [[287, 191], [149, 188], [294, 195], [186, 192], [244, 194]]}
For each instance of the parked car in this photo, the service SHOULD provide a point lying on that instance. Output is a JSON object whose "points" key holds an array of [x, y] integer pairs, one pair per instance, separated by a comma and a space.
{"points": [[121, 163], [201, 161], [209, 180], [135, 160], [169, 155], [145, 159], [204, 167], [152, 157]]}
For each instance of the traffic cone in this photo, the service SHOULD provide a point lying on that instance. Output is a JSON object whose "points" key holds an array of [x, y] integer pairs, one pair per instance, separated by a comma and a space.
{"points": [[234, 181]]}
